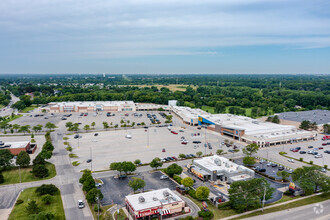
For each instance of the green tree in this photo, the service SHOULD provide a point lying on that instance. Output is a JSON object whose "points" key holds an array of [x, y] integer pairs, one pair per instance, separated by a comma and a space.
{"points": [[89, 183], [105, 125], [173, 169], [182, 156], [136, 183], [32, 207], [93, 124], [37, 128], [219, 152], [16, 127], [69, 125], [250, 149], [45, 154], [87, 128], [25, 129], [39, 160], [2, 179], [84, 176], [326, 128], [23, 159], [284, 174], [128, 167], [42, 216], [187, 182], [44, 189], [5, 157], [202, 193], [249, 161], [156, 162], [245, 195], [40, 171], [305, 125], [93, 194], [137, 162], [48, 146], [50, 126], [117, 166], [199, 153], [310, 179], [47, 199], [275, 119]]}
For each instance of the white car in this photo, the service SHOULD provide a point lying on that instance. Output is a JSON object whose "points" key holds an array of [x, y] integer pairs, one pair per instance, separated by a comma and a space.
{"points": [[164, 177], [318, 156], [291, 160], [81, 204], [290, 171], [128, 136]]}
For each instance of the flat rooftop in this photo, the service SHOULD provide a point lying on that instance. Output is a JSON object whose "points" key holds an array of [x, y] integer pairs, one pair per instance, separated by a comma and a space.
{"points": [[152, 199], [215, 163], [105, 103], [318, 116], [21, 144], [188, 112]]}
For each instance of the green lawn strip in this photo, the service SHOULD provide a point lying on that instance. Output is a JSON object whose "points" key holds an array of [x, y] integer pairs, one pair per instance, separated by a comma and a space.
{"points": [[302, 202], [103, 213], [302, 161], [30, 108], [12, 176], [12, 118], [56, 206], [218, 213]]}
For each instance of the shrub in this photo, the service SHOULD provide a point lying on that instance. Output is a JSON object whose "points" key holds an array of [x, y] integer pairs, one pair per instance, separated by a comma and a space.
{"points": [[288, 193], [311, 162], [32, 135], [65, 138], [192, 193], [96, 206], [177, 179], [75, 163], [19, 201], [187, 218], [47, 189], [2, 179], [174, 169], [39, 160], [282, 153], [325, 166], [42, 216], [92, 194], [32, 207], [206, 215], [47, 199], [301, 159], [202, 192], [224, 205], [73, 156], [69, 148], [40, 171], [33, 141]]}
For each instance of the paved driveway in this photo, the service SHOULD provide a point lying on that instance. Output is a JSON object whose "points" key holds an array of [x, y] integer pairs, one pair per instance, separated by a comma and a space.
{"points": [[114, 190]]}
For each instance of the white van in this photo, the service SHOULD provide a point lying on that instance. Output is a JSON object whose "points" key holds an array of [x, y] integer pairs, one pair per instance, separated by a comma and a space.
{"points": [[128, 136]]}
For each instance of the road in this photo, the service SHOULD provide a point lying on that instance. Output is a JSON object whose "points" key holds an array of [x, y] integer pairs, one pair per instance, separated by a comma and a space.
{"points": [[8, 110], [319, 211]]}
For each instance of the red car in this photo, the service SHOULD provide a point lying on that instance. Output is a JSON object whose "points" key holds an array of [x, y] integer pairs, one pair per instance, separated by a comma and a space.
{"points": [[174, 158], [324, 144], [320, 148], [184, 142], [163, 150], [295, 150], [173, 132]]}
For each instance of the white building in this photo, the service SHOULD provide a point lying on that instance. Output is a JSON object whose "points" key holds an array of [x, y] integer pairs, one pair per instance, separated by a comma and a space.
{"points": [[221, 169], [172, 102]]}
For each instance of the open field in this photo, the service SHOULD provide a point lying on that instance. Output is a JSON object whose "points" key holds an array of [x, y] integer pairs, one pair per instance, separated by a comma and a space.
{"points": [[27, 109], [248, 110], [56, 206], [12, 176]]}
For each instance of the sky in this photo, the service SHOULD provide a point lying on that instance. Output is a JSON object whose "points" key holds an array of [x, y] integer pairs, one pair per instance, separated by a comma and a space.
{"points": [[165, 36]]}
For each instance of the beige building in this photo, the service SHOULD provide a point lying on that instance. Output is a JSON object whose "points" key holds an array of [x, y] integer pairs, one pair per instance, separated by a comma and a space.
{"points": [[149, 205]]}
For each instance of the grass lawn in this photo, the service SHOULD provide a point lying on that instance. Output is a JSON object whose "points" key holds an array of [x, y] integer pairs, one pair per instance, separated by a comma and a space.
{"points": [[218, 213], [307, 201], [56, 207], [208, 109], [103, 213], [121, 215], [12, 118], [30, 108], [284, 199], [12, 176]]}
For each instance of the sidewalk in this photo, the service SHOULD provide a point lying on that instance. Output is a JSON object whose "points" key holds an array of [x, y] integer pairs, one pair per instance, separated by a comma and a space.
{"points": [[279, 204]]}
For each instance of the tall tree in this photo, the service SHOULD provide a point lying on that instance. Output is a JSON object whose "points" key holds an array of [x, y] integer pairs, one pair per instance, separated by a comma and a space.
{"points": [[5, 157], [156, 162], [23, 159], [50, 126], [250, 149], [136, 183]]}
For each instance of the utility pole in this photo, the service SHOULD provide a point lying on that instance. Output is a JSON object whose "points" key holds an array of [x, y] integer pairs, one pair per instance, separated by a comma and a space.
{"points": [[98, 206], [264, 199]]}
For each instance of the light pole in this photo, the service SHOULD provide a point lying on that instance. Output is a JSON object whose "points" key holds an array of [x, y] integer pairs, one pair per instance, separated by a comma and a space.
{"points": [[90, 148], [98, 206], [264, 199]]}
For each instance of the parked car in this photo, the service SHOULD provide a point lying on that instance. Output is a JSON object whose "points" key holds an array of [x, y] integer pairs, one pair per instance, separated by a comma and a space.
{"points": [[291, 160], [173, 132], [269, 164], [175, 158], [274, 165], [295, 150], [310, 146], [323, 144], [261, 161], [298, 148], [96, 134], [315, 153], [197, 142], [280, 168], [184, 142], [327, 151], [262, 170], [76, 136], [290, 171], [163, 150], [310, 152], [81, 204], [320, 148], [231, 150], [89, 160], [318, 156], [323, 170], [302, 152], [163, 177]]}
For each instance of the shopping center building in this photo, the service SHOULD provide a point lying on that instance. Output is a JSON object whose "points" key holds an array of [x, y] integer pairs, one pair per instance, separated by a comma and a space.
{"points": [[221, 169], [156, 203]]}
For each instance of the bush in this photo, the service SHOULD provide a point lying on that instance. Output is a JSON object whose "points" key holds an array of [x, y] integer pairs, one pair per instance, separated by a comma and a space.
{"points": [[47, 199], [177, 179], [39, 160], [33, 141], [42, 216], [301, 159], [32, 207], [224, 205], [282, 153], [311, 162], [75, 163], [47, 189], [2, 179], [187, 218], [69, 148], [92, 194], [192, 193], [288, 193], [96, 206], [40, 171], [19, 201], [206, 215], [174, 169], [325, 166], [202, 192], [73, 156]]}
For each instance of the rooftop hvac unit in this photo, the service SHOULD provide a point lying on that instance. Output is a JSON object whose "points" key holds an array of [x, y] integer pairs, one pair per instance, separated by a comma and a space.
{"points": [[155, 198], [141, 199], [165, 193]]}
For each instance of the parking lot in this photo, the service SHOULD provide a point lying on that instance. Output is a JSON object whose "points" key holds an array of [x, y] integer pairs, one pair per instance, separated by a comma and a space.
{"points": [[114, 190]]}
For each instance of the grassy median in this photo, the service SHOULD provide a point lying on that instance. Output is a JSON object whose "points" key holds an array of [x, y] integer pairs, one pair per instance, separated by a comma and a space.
{"points": [[12, 176], [56, 206]]}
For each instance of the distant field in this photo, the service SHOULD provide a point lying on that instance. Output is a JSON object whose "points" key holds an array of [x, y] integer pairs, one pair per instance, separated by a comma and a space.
{"points": [[211, 109], [172, 87]]}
